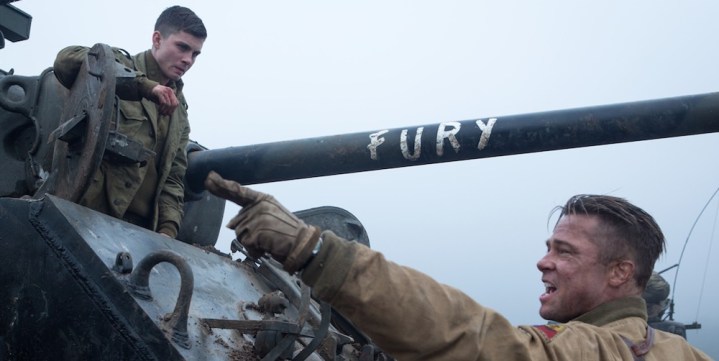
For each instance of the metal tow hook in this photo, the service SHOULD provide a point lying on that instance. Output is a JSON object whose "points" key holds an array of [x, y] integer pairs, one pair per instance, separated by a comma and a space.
{"points": [[139, 286]]}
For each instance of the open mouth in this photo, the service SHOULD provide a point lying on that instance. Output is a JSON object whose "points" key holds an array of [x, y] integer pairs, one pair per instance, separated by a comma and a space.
{"points": [[549, 288]]}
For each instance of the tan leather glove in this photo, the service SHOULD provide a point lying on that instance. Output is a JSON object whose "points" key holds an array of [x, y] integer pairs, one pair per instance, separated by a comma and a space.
{"points": [[264, 225]]}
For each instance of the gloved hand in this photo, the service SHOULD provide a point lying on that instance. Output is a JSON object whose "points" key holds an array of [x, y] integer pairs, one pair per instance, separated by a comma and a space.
{"points": [[264, 225]]}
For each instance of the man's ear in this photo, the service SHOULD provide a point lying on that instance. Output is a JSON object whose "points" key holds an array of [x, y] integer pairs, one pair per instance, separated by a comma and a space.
{"points": [[621, 272], [156, 37]]}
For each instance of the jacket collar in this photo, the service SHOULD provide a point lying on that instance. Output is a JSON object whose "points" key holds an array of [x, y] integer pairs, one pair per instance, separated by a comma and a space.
{"points": [[147, 64], [614, 310]]}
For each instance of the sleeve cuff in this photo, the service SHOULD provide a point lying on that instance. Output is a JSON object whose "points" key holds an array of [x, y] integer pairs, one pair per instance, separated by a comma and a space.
{"points": [[169, 228], [327, 272], [145, 86]]}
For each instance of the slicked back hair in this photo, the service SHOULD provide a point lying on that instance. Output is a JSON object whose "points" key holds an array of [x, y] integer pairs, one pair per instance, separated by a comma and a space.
{"points": [[179, 18], [626, 231]]}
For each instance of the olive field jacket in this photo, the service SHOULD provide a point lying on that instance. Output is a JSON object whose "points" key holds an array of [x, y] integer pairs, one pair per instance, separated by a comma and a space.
{"points": [[114, 186]]}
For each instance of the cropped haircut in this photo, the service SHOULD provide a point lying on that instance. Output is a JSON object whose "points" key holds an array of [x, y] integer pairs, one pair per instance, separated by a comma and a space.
{"points": [[178, 18], [625, 231]]}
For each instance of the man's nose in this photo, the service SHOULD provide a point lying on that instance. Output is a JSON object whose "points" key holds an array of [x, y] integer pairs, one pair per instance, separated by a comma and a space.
{"points": [[187, 58], [545, 263]]}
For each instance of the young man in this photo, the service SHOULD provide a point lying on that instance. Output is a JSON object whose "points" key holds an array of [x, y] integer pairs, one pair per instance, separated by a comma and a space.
{"points": [[598, 261], [150, 195]]}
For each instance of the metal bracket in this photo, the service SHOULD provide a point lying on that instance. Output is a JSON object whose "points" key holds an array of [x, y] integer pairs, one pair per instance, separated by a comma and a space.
{"points": [[120, 148], [70, 131]]}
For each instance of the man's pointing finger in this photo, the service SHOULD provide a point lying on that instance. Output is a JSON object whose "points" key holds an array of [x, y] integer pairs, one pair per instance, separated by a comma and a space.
{"points": [[231, 190]]}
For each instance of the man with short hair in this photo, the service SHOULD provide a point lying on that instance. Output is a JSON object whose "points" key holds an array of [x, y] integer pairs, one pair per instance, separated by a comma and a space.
{"points": [[599, 258], [154, 113]]}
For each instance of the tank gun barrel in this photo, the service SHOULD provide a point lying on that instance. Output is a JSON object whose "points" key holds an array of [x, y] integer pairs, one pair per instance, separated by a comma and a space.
{"points": [[458, 140]]}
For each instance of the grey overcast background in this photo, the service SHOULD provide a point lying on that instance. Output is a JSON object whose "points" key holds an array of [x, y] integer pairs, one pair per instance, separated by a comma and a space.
{"points": [[280, 70]]}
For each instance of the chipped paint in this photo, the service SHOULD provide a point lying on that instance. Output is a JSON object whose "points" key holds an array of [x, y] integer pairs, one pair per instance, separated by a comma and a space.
{"points": [[445, 131], [417, 145], [375, 140], [486, 132], [448, 131]]}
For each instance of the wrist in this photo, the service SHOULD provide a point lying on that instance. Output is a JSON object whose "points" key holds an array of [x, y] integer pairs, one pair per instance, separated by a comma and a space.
{"points": [[314, 253], [304, 245], [329, 269], [145, 87]]}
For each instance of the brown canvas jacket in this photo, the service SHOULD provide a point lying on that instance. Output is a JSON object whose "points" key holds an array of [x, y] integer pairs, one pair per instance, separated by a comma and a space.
{"points": [[412, 317]]}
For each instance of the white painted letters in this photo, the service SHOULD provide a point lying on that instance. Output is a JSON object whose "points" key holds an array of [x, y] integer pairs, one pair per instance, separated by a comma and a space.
{"points": [[447, 131], [417, 145], [375, 140], [486, 131]]}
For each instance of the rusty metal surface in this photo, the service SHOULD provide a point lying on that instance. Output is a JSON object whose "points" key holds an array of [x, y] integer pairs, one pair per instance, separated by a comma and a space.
{"points": [[222, 288], [89, 267], [91, 98], [460, 140], [30, 110], [148, 296]]}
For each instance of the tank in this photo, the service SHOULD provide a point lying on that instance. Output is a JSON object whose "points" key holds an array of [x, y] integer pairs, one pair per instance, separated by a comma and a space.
{"points": [[82, 285]]}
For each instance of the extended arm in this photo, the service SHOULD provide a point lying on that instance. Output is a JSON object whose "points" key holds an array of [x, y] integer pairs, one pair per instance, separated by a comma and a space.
{"points": [[69, 61], [405, 312]]}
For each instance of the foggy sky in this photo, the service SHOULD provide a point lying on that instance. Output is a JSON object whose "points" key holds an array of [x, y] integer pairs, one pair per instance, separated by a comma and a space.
{"points": [[279, 70]]}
